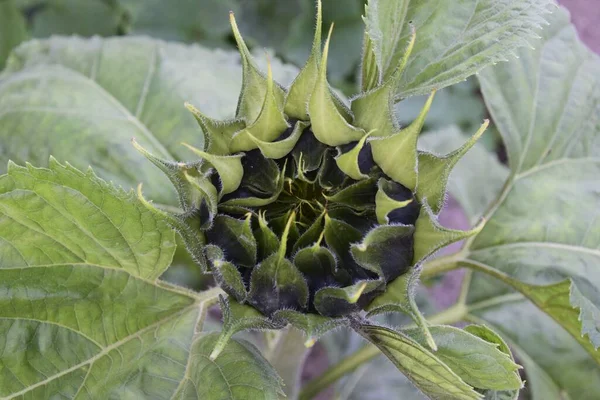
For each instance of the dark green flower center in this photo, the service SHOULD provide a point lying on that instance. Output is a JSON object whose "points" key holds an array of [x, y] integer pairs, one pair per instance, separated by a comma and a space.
{"points": [[304, 198]]}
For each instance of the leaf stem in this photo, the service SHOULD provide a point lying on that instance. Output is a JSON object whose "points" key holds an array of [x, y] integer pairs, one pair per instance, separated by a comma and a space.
{"points": [[451, 315], [442, 264]]}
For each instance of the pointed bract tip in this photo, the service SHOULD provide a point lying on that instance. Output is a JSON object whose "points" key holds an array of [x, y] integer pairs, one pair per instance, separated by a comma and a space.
{"points": [[269, 69], [319, 240], [236, 32], [192, 148], [330, 31], [359, 291], [480, 131], [310, 342], [220, 345], [284, 236], [215, 353], [430, 341], [190, 107], [480, 225]]}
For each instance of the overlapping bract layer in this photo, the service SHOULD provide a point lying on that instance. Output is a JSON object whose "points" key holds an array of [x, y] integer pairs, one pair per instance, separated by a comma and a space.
{"points": [[306, 209]]}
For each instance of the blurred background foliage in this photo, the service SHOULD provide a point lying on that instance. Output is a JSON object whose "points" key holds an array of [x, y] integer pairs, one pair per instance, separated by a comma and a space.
{"points": [[284, 26]]}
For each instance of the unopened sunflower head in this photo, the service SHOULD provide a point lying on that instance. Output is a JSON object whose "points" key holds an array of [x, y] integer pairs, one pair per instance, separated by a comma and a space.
{"points": [[303, 207]]}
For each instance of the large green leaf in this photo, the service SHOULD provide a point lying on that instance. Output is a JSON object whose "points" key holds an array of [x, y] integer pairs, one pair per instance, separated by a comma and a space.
{"points": [[82, 313], [82, 100], [239, 373], [544, 226], [556, 366], [12, 29], [182, 20], [478, 362], [63, 216], [455, 39], [68, 17], [461, 360]]}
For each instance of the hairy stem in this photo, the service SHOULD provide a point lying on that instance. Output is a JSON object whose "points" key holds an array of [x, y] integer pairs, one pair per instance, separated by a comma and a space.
{"points": [[442, 264], [451, 315]]}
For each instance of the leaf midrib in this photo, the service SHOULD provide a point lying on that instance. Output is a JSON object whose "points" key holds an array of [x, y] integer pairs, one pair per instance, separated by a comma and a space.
{"points": [[551, 245]]}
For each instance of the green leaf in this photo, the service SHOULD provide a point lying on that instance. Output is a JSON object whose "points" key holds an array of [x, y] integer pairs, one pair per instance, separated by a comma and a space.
{"points": [[12, 29], [490, 336], [567, 371], [81, 310], [477, 361], [540, 129], [61, 215], [239, 373], [454, 39], [73, 17], [103, 92], [187, 21], [562, 301], [544, 227], [423, 368]]}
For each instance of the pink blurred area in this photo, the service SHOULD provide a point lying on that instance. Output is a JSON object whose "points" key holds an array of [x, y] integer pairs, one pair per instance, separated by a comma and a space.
{"points": [[585, 14]]}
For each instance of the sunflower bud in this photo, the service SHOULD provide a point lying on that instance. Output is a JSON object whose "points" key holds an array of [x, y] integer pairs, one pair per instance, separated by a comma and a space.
{"points": [[309, 211]]}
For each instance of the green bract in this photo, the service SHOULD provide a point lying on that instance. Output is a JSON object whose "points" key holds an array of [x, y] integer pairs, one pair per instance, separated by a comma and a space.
{"points": [[308, 211]]}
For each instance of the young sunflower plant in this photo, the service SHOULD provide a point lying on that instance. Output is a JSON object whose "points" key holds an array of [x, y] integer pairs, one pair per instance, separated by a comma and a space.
{"points": [[313, 210]]}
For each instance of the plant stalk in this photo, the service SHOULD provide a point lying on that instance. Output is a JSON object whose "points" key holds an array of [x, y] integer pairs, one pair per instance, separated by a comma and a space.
{"points": [[454, 314], [442, 264]]}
